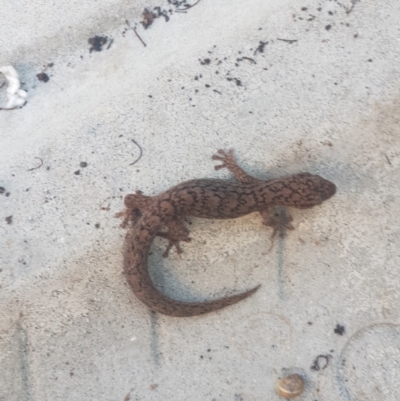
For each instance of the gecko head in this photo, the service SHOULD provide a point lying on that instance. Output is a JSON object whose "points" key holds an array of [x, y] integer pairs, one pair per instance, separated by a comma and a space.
{"points": [[325, 188], [311, 190]]}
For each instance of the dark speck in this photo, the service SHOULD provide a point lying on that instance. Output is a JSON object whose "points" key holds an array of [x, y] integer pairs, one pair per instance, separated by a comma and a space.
{"points": [[42, 76], [207, 86], [303, 8], [9, 219], [339, 329], [328, 27], [83, 164], [261, 47], [237, 81], [330, 12], [370, 60], [2, 190], [97, 225], [77, 172]]}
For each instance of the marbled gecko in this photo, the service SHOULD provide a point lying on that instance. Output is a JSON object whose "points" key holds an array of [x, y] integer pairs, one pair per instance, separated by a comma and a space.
{"points": [[210, 199]]}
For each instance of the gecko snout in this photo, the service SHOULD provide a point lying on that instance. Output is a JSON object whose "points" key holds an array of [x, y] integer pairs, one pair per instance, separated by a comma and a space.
{"points": [[327, 189]]}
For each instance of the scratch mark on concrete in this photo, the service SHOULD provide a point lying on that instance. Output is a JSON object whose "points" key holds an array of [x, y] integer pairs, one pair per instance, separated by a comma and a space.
{"points": [[155, 343], [22, 343]]}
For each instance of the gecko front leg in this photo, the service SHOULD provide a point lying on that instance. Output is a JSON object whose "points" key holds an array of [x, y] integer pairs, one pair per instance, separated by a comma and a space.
{"points": [[229, 162]]}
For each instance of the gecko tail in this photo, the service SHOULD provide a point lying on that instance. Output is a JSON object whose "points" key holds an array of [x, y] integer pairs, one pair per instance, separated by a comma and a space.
{"points": [[137, 245], [170, 307]]}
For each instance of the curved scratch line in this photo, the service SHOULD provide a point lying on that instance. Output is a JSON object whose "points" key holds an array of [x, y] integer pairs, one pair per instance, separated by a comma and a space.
{"points": [[339, 377], [40, 165], [141, 152]]}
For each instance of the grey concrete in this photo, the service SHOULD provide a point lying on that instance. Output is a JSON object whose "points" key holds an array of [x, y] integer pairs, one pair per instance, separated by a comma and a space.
{"points": [[71, 329]]}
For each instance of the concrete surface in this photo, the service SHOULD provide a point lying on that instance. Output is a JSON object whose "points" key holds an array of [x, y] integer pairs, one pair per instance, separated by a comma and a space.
{"points": [[70, 328]]}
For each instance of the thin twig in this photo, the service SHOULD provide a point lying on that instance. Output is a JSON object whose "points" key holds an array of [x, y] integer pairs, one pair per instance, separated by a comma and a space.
{"points": [[134, 30], [287, 40], [141, 152], [109, 45], [187, 6], [250, 59], [41, 164]]}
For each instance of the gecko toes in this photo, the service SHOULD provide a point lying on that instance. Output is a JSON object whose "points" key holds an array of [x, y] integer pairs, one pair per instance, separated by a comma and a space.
{"points": [[219, 167]]}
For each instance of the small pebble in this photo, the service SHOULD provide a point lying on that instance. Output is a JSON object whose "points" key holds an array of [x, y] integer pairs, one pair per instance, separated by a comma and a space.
{"points": [[290, 386]]}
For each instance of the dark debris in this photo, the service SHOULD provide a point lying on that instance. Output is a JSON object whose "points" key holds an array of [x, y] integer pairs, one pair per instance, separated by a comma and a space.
{"points": [[316, 363], [42, 76], [148, 18], [97, 43], [261, 47], [236, 80], [339, 329]]}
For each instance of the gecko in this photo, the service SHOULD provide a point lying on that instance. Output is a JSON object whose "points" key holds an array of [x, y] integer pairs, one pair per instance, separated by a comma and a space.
{"points": [[148, 216]]}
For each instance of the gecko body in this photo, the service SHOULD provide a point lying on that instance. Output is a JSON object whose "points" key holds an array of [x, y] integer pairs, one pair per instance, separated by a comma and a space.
{"points": [[213, 199]]}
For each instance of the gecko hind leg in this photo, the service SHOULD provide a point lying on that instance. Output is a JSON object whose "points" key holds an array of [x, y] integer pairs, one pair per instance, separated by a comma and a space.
{"points": [[228, 161]]}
